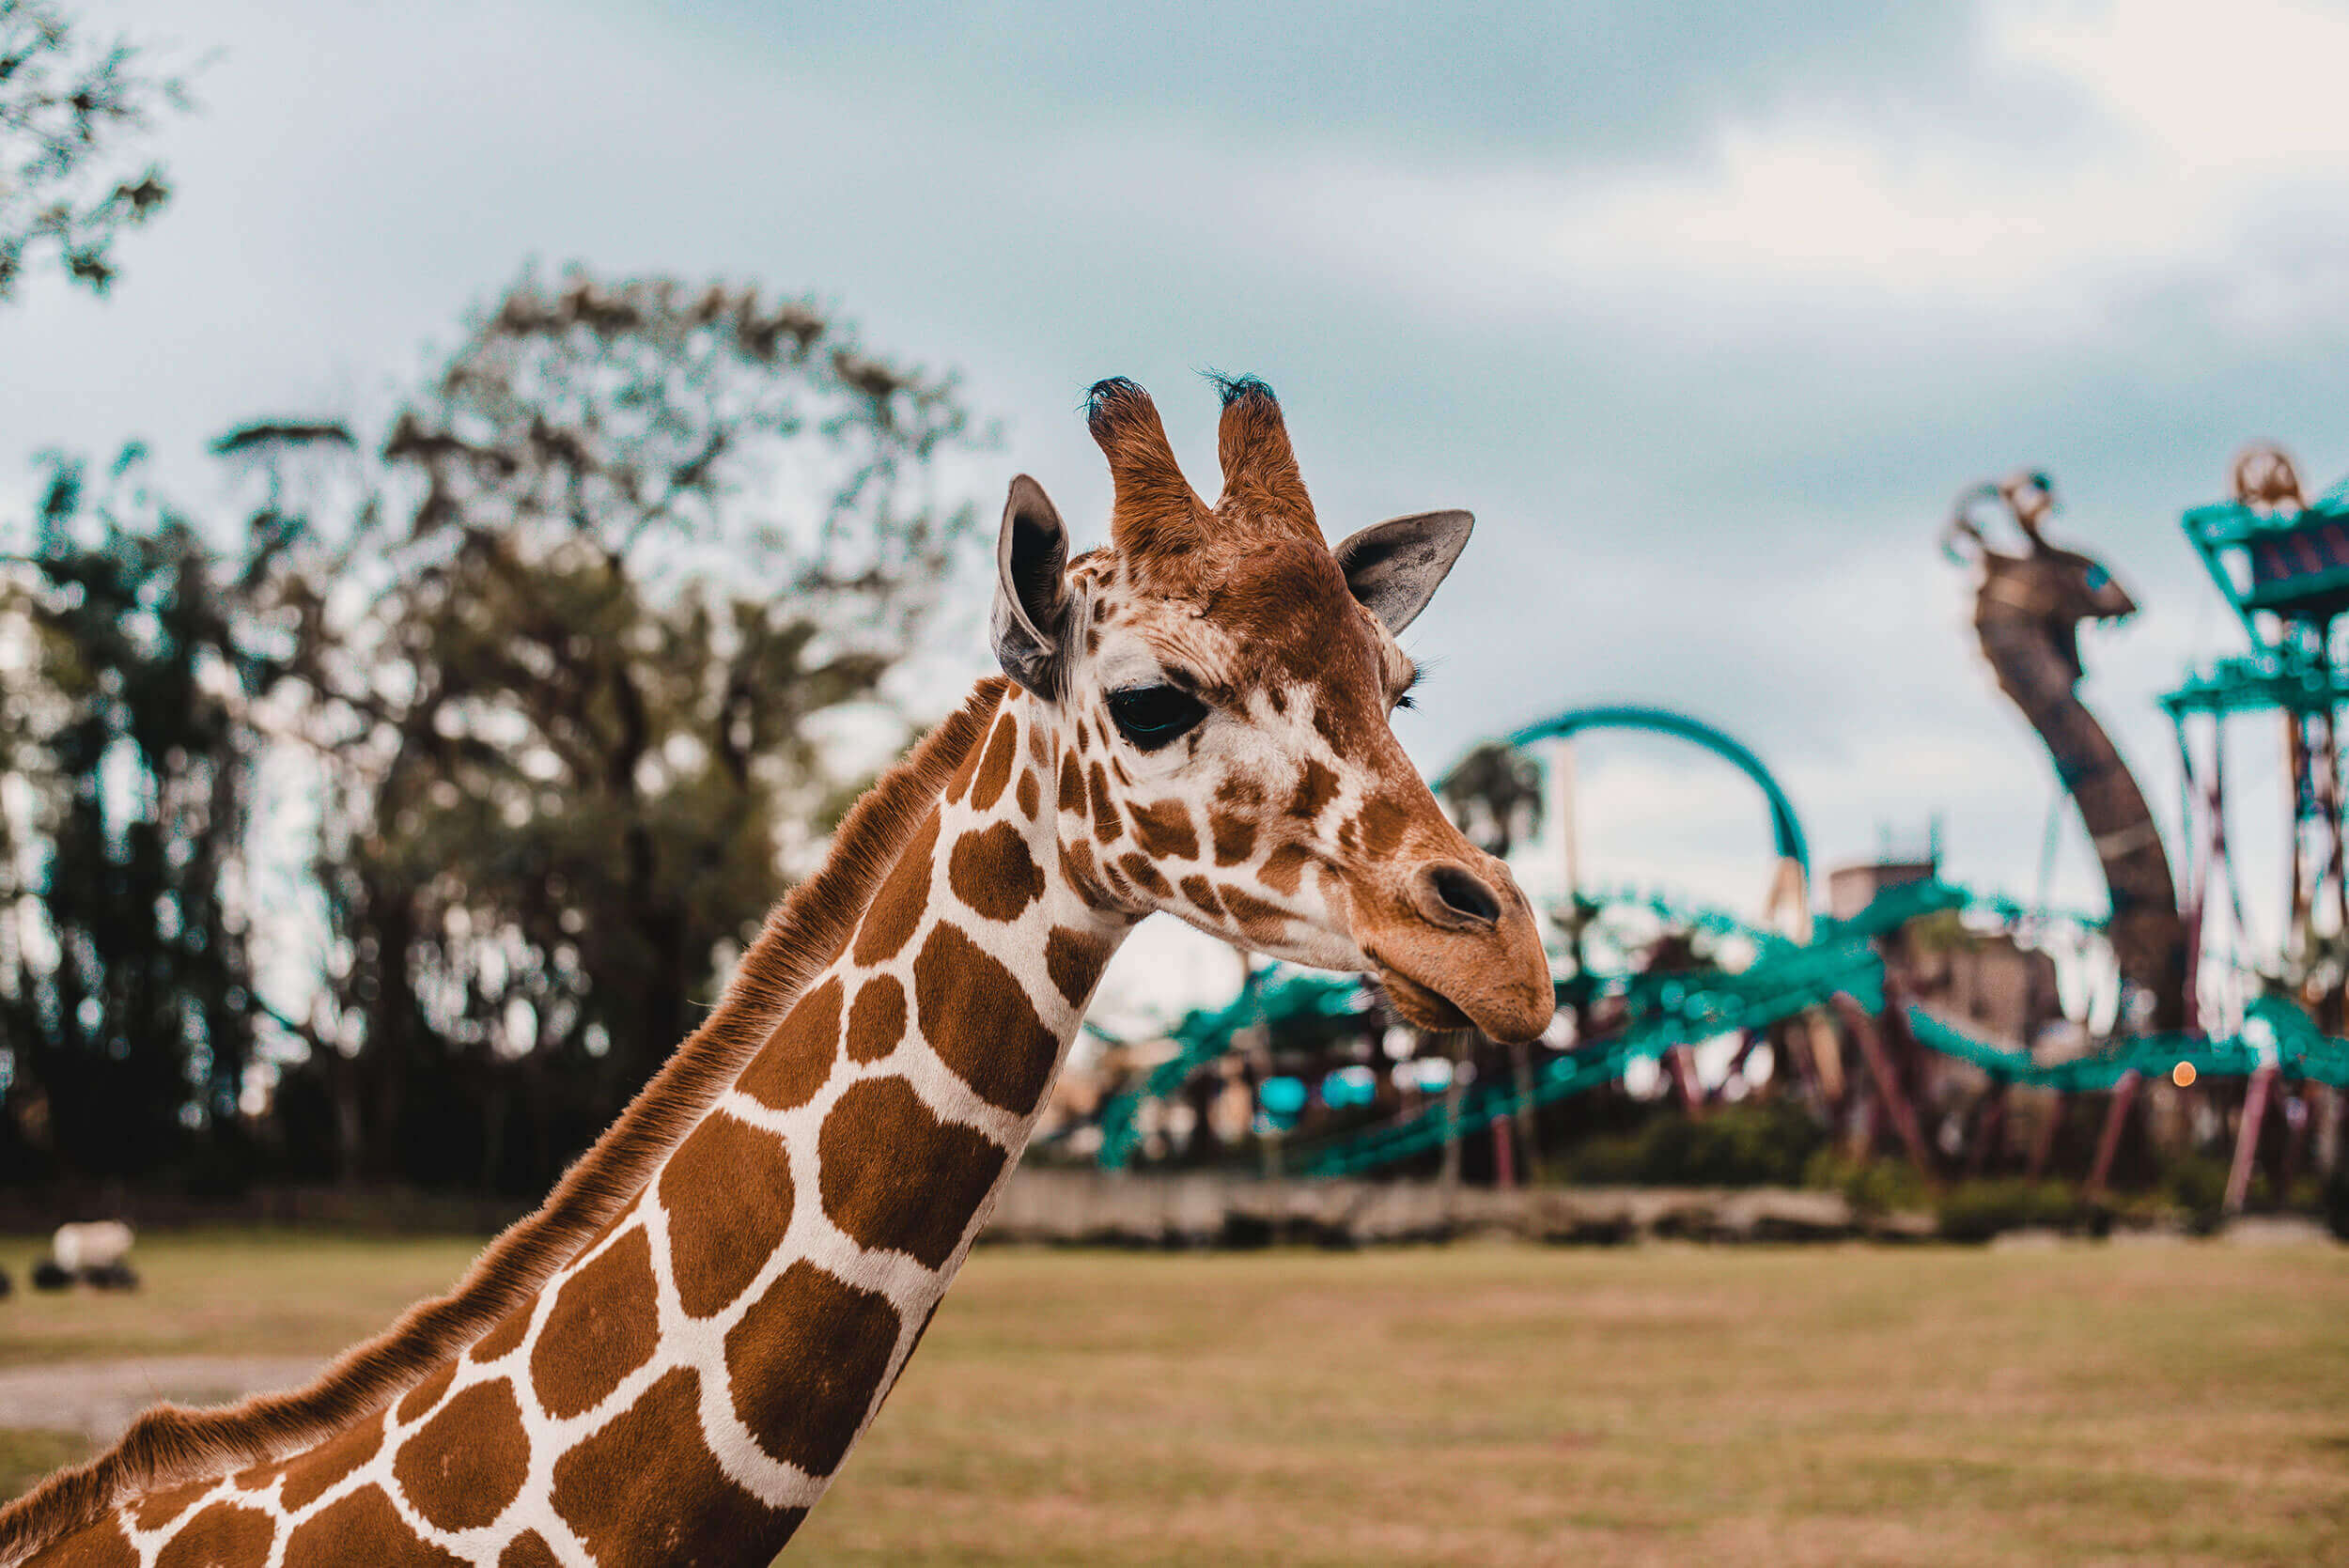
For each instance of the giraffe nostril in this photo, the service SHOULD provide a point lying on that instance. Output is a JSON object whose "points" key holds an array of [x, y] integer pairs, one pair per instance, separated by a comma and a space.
{"points": [[1458, 891]]}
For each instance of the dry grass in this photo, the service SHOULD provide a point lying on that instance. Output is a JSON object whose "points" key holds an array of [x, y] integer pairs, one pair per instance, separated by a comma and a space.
{"points": [[2180, 1404]]}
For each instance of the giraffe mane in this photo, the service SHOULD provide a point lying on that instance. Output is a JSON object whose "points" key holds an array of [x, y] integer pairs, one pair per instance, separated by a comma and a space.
{"points": [[171, 1445]]}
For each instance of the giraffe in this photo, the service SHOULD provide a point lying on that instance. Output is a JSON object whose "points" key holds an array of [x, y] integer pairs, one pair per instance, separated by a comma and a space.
{"points": [[2027, 615], [669, 1361]]}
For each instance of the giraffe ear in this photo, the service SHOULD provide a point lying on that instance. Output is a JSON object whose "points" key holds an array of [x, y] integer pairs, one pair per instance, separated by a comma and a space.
{"points": [[1030, 614], [1395, 565]]}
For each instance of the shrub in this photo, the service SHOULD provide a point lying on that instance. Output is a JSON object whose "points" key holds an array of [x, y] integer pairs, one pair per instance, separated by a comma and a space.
{"points": [[1870, 1186], [1977, 1211], [1765, 1144]]}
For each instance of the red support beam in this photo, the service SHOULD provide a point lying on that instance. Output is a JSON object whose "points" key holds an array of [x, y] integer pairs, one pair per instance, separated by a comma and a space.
{"points": [[1505, 1156], [2109, 1142], [1989, 1122], [1863, 1032], [2247, 1138], [2043, 1146], [1682, 1060]]}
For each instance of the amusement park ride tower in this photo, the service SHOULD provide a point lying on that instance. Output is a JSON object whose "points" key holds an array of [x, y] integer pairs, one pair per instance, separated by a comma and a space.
{"points": [[2283, 563]]}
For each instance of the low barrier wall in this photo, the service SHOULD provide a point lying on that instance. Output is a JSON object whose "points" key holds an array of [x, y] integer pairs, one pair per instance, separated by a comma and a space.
{"points": [[1095, 1208]]}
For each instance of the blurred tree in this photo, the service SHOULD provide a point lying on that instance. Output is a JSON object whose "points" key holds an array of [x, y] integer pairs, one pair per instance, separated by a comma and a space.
{"points": [[1495, 795], [66, 112], [612, 560], [125, 991]]}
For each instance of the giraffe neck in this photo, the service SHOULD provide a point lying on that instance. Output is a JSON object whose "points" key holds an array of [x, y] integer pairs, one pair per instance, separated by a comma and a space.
{"points": [[685, 1389], [788, 1256], [782, 1266]]}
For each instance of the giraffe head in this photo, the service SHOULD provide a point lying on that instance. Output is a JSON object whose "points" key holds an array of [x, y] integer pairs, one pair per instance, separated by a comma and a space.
{"points": [[2052, 587], [1221, 682]]}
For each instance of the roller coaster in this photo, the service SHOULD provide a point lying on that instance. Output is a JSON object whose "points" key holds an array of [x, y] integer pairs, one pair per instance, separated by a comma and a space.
{"points": [[2283, 563]]}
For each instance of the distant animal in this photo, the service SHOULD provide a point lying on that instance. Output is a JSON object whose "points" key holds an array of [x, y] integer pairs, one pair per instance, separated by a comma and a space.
{"points": [[8, 1286], [48, 1276], [91, 1250]]}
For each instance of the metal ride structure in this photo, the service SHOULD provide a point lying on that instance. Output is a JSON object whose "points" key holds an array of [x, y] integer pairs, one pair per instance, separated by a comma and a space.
{"points": [[2281, 563]]}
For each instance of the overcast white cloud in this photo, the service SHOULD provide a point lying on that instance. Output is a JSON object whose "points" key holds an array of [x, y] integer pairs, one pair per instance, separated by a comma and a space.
{"points": [[1707, 312]]}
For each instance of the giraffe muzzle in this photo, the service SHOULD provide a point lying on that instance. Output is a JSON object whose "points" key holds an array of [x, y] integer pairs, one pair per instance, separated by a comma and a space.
{"points": [[1462, 950]]}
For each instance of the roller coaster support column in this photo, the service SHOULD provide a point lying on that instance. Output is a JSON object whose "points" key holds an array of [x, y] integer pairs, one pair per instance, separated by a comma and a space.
{"points": [[1863, 1030], [1990, 1123], [2043, 1143], [1682, 1062], [1504, 1162], [2109, 1142], [2247, 1141]]}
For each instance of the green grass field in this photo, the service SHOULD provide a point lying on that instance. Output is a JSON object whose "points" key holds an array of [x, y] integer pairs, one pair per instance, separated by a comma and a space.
{"points": [[2184, 1404]]}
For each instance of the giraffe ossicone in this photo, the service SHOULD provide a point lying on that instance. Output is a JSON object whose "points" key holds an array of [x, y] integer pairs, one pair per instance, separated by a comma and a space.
{"points": [[669, 1361]]}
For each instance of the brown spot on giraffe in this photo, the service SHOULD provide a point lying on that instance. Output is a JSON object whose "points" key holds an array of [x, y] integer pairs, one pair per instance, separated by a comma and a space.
{"points": [[529, 1550], [1164, 829], [1266, 923], [793, 1065], [1202, 895], [1235, 836], [806, 1362], [222, 1536], [363, 1527], [1239, 792], [1107, 824], [959, 785], [1316, 786], [425, 1395], [1074, 960], [1285, 868], [879, 1128], [101, 1545], [467, 1463], [728, 1193], [1076, 864], [626, 1490], [995, 767], [604, 1326], [1143, 875], [899, 907], [511, 1329], [311, 1476], [1030, 795], [1072, 783], [877, 1024], [993, 872], [1383, 824], [159, 1509], [979, 1020], [977, 714]]}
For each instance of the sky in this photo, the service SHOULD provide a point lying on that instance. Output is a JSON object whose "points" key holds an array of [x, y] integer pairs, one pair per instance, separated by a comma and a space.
{"points": [[1707, 313]]}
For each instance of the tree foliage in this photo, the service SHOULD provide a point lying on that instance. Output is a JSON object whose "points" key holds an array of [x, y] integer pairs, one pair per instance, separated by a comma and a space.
{"points": [[70, 116], [554, 655], [1495, 794], [125, 1006]]}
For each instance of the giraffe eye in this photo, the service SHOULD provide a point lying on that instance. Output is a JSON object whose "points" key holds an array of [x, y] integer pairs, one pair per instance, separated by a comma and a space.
{"points": [[1150, 716]]}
